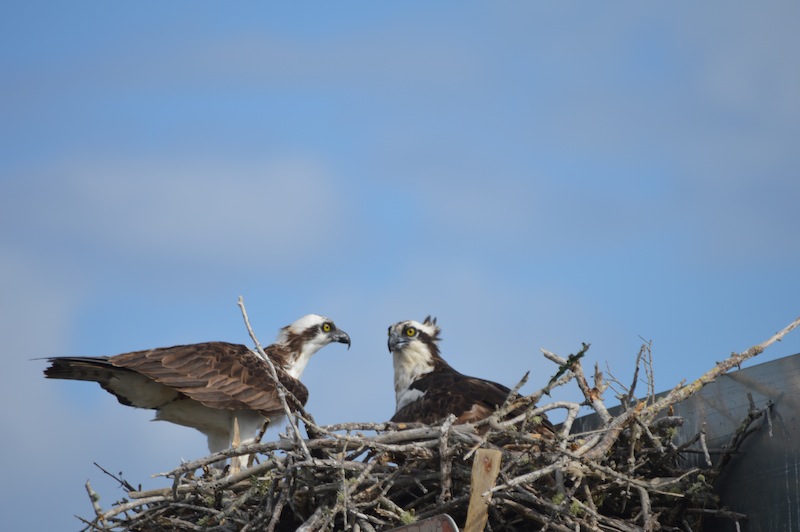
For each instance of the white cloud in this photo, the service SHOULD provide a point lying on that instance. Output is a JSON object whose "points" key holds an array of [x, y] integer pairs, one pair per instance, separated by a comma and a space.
{"points": [[211, 211]]}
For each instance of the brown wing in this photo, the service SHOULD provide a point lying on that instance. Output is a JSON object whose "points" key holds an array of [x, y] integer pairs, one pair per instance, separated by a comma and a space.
{"points": [[449, 392], [217, 374]]}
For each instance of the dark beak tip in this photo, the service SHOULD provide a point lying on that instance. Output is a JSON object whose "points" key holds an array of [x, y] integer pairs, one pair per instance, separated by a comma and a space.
{"points": [[345, 339]]}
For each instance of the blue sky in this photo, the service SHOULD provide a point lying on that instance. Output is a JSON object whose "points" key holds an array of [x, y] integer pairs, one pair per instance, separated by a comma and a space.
{"points": [[534, 175]]}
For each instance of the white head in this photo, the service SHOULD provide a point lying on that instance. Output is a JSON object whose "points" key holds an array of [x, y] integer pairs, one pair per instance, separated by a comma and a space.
{"points": [[414, 350], [305, 337]]}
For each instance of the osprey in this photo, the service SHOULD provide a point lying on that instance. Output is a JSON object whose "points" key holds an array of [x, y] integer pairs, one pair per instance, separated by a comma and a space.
{"points": [[428, 389], [209, 386]]}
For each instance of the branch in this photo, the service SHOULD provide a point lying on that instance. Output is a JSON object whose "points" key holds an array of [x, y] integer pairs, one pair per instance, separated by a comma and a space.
{"points": [[735, 360], [593, 396], [282, 391]]}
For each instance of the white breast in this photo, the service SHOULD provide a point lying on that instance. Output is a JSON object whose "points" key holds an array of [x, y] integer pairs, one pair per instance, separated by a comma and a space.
{"points": [[409, 365], [408, 396]]}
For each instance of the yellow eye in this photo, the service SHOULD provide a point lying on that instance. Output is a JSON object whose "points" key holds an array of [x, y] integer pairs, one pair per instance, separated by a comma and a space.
{"points": [[326, 327], [411, 331]]}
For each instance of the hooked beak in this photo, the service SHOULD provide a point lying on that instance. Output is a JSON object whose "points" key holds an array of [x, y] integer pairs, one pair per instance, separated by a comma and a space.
{"points": [[341, 337], [396, 342]]}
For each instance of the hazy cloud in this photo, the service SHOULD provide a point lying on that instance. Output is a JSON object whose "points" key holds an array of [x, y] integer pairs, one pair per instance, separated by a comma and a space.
{"points": [[211, 211]]}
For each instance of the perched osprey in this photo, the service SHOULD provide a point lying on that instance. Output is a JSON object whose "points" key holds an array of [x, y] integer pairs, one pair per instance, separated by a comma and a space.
{"points": [[428, 389], [209, 386]]}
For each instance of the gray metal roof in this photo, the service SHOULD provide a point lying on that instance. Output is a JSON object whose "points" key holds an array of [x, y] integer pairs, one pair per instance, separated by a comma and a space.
{"points": [[763, 481]]}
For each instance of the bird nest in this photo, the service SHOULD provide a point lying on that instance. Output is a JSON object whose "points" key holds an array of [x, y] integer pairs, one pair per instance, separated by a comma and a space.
{"points": [[630, 473]]}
